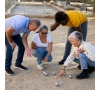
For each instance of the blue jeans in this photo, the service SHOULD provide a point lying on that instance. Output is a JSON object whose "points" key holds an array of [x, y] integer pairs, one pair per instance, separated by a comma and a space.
{"points": [[41, 54], [68, 44], [84, 61], [9, 51]]}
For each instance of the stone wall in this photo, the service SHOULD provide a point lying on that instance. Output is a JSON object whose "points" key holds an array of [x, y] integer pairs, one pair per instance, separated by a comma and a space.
{"points": [[79, 1], [54, 0], [34, 0], [25, 0]]}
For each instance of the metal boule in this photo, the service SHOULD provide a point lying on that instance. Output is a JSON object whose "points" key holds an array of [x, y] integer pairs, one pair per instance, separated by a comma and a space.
{"points": [[54, 73], [56, 83], [70, 76], [45, 73]]}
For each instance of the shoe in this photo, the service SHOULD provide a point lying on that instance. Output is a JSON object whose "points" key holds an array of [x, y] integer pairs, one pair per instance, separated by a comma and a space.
{"points": [[9, 72], [91, 69], [79, 67], [61, 62], [20, 67], [83, 74], [43, 62], [40, 66]]}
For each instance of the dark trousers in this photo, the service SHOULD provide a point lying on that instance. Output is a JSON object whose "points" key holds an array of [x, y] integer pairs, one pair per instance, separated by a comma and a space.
{"points": [[9, 51], [68, 44]]}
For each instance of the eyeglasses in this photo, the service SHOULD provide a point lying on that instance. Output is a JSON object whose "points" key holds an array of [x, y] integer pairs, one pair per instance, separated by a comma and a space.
{"points": [[44, 33]]}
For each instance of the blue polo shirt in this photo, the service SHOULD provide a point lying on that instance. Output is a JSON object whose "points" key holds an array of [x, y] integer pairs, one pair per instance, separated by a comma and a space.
{"points": [[19, 24]]}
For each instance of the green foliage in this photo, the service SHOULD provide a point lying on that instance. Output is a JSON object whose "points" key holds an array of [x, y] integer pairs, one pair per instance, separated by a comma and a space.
{"points": [[90, 1]]}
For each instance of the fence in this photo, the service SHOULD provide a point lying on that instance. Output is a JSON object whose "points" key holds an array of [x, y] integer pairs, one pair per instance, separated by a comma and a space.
{"points": [[9, 3]]}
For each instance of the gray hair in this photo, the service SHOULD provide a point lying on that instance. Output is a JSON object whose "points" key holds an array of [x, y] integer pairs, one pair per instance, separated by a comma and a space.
{"points": [[36, 21], [76, 35], [43, 27]]}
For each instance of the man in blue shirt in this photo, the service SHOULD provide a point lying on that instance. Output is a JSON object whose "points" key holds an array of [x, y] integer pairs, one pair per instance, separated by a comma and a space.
{"points": [[13, 27]]}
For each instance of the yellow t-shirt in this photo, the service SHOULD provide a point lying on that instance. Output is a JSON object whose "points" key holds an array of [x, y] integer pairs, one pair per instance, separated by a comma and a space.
{"points": [[75, 18]]}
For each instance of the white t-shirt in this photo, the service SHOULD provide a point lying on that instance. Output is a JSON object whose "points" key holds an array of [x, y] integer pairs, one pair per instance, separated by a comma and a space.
{"points": [[37, 41]]}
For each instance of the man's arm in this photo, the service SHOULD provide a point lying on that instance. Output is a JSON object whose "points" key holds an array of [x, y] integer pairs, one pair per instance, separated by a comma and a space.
{"points": [[9, 32], [24, 40], [54, 26]]}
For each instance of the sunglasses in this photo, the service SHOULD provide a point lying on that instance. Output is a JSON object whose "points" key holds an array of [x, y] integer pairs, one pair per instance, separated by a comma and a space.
{"points": [[44, 33]]}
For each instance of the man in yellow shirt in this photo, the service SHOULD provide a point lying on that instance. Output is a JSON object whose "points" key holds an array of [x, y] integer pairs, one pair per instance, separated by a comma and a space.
{"points": [[76, 21]]}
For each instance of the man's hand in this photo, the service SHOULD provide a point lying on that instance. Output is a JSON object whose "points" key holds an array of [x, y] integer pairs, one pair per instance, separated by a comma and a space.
{"points": [[25, 42], [9, 32], [28, 51], [13, 45]]}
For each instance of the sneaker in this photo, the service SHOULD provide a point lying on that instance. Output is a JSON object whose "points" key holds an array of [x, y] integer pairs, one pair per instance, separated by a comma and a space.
{"points": [[83, 74], [61, 62], [20, 67], [91, 69], [40, 66], [9, 72], [43, 62]]}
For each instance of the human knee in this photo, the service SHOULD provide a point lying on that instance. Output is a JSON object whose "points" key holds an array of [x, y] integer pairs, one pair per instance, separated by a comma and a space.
{"points": [[50, 59], [77, 61], [34, 52], [10, 51], [22, 47], [81, 55], [40, 50]]}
